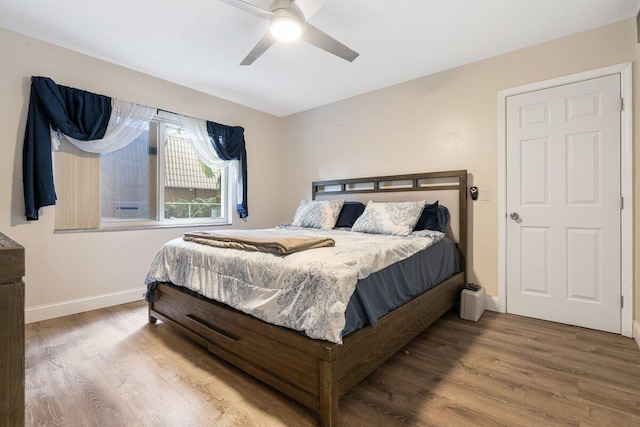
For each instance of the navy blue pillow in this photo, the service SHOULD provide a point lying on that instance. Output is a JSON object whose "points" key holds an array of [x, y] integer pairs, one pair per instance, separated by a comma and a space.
{"points": [[429, 218], [443, 218], [434, 217], [349, 213]]}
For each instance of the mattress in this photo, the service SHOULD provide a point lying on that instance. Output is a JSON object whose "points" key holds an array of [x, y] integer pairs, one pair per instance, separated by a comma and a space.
{"points": [[388, 289], [308, 291]]}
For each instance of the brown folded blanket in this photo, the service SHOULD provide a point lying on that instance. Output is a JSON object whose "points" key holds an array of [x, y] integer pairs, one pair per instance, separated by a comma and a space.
{"points": [[276, 245]]}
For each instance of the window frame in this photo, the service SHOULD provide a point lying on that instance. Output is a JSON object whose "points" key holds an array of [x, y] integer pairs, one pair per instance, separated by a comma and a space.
{"points": [[162, 119]]}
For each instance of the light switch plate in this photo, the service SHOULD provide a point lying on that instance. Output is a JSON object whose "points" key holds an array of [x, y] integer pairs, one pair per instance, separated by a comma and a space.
{"points": [[485, 194]]}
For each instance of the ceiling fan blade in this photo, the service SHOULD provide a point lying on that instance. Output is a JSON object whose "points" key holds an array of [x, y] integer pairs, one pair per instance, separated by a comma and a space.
{"points": [[248, 7], [265, 43], [314, 36]]}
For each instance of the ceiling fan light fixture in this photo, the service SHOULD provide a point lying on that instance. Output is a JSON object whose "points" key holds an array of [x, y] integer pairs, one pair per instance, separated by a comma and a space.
{"points": [[285, 28]]}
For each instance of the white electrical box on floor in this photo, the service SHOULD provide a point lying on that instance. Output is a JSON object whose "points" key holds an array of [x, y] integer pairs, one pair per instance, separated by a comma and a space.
{"points": [[472, 304]]}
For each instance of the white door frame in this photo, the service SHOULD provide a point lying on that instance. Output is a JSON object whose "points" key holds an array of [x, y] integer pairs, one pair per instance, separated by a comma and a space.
{"points": [[626, 165]]}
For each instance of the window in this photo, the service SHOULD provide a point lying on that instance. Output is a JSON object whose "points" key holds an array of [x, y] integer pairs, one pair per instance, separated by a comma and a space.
{"points": [[159, 179]]}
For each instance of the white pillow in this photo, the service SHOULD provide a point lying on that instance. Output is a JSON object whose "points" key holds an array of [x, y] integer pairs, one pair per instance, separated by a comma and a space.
{"points": [[389, 218], [317, 214]]}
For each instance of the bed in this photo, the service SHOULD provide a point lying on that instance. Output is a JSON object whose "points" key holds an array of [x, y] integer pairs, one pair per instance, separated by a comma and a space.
{"points": [[317, 372]]}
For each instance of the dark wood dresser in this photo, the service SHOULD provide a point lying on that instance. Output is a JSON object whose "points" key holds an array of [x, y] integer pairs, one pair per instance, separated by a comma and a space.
{"points": [[11, 333]]}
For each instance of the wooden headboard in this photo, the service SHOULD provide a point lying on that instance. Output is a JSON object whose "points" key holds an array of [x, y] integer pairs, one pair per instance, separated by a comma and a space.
{"points": [[449, 187]]}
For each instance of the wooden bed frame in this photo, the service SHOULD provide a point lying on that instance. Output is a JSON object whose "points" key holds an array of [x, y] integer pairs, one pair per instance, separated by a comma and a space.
{"points": [[315, 372]]}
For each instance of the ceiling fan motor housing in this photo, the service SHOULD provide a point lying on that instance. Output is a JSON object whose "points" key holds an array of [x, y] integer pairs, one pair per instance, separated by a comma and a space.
{"points": [[284, 5]]}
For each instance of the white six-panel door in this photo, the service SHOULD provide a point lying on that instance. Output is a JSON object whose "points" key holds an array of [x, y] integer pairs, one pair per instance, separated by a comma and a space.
{"points": [[563, 204]]}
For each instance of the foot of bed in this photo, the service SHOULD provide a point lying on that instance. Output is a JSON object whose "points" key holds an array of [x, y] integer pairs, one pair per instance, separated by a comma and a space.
{"points": [[328, 395], [152, 319]]}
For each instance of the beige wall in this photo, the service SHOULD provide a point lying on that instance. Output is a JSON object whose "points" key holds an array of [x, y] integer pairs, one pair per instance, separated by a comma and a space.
{"points": [[439, 122], [70, 269], [444, 121]]}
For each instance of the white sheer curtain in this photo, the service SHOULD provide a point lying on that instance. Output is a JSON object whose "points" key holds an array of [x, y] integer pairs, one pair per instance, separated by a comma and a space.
{"points": [[127, 122], [195, 131]]}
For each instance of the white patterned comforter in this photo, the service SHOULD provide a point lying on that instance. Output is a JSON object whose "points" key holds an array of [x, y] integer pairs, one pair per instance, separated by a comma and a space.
{"points": [[306, 291]]}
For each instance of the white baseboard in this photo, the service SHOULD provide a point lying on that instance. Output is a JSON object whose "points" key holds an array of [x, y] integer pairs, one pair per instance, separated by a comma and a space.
{"points": [[636, 332], [37, 313], [491, 303]]}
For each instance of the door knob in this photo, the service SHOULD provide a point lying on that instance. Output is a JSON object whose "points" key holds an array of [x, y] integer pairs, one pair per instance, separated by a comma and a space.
{"points": [[514, 216]]}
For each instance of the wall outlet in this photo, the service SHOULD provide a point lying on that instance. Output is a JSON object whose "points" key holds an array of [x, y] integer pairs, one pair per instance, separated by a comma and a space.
{"points": [[485, 194]]}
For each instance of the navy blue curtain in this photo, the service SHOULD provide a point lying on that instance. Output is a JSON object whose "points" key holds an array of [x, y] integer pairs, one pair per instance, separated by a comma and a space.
{"points": [[228, 141], [81, 115]]}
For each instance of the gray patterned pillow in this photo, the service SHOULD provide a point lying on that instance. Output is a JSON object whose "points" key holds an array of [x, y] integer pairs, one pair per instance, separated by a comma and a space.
{"points": [[318, 214], [389, 218]]}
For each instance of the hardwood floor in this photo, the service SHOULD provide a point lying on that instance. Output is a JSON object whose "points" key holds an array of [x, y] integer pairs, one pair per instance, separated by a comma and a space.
{"points": [[111, 368]]}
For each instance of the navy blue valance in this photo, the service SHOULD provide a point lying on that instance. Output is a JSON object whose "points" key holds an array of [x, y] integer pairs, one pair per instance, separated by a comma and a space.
{"points": [[228, 141], [77, 113]]}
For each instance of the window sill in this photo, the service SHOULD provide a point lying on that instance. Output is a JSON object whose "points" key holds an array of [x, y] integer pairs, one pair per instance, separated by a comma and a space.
{"points": [[132, 226]]}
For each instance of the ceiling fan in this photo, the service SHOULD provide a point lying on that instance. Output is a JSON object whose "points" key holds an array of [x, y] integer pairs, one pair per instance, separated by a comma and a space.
{"points": [[287, 22]]}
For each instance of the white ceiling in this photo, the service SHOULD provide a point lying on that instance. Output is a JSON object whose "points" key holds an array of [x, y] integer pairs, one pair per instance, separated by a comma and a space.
{"points": [[199, 43]]}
